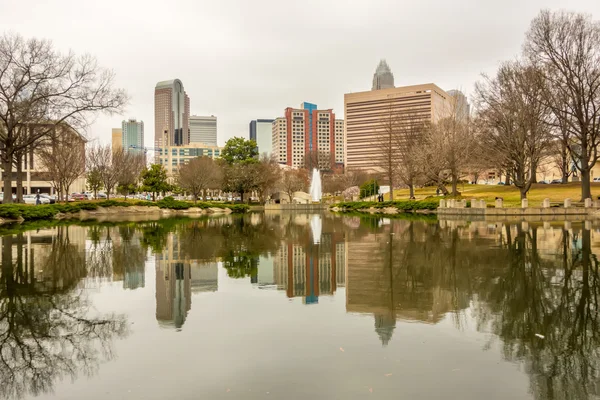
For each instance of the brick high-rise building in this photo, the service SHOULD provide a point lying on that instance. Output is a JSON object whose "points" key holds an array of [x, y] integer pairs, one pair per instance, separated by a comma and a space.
{"points": [[171, 114], [309, 137]]}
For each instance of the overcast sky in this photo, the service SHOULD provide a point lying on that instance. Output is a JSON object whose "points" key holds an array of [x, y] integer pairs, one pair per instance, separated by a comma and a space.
{"points": [[247, 59]]}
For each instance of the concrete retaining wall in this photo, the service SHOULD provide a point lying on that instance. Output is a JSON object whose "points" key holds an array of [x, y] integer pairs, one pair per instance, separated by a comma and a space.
{"points": [[297, 207]]}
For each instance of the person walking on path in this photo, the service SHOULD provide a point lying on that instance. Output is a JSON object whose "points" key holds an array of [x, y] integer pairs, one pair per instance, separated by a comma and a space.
{"points": [[37, 198]]}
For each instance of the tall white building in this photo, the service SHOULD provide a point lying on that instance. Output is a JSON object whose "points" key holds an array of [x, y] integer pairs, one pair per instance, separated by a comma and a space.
{"points": [[203, 129], [133, 135]]}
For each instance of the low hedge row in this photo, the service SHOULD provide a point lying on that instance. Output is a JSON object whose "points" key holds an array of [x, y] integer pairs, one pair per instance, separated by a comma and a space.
{"points": [[402, 205], [49, 211]]}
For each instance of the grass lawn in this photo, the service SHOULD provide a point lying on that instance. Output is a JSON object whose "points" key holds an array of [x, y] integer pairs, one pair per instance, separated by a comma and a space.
{"points": [[510, 194]]}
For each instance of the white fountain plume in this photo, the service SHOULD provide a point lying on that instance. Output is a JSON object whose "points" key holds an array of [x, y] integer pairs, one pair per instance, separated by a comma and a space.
{"points": [[315, 226], [315, 186]]}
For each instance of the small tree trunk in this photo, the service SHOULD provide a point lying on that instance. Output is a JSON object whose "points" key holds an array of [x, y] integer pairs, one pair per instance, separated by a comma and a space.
{"points": [[153, 196], [19, 173], [7, 177], [411, 190], [443, 189], [533, 176], [454, 184], [391, 189], [586, 189]]}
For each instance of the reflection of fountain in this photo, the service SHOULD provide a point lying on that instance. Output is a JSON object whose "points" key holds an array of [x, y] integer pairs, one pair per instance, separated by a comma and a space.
{"points": [[315, 225], [315, 186]]}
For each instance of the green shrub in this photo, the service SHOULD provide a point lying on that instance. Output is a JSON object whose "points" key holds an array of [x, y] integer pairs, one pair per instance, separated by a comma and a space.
{"points": [[170, 203], [113, 203], [402, 205]]}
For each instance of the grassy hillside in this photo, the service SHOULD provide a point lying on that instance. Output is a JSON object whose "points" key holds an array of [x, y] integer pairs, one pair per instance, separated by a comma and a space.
{"points": [[511, 195]]}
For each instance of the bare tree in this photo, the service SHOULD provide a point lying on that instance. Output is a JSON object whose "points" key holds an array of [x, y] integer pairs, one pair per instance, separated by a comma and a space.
{"points": [[566, 47], [411, 129], [63, 157], [198, 175], [269, 174], [448, 145], [293, 180], [107, 162], [39, 87], [512, 109], [386, 145], [319, 159], [129, 165]]}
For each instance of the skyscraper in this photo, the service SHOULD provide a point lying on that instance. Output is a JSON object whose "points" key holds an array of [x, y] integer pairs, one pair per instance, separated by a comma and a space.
{"points": [[261, 131], [308, 137], [203, 130], [383, 77], [171, 114], [461, 105], [133, 135]]}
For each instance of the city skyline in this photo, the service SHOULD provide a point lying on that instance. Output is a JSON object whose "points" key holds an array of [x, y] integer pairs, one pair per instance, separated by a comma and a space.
{"points": [[473, 38]]}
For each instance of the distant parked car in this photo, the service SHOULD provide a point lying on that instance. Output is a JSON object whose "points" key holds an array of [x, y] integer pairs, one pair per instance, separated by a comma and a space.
{"points": [[596, 179], [556, 182], [51, 200], [31, 199], [78, 196], [543, 182], [501, 183]]}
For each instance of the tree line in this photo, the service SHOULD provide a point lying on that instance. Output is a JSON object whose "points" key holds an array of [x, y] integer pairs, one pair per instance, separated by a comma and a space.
{"points": [[541, 108]]}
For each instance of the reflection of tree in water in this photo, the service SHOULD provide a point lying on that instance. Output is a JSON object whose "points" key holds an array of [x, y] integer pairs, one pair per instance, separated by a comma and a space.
{"points": [[46, 332], [236, 240], [557, 299]]}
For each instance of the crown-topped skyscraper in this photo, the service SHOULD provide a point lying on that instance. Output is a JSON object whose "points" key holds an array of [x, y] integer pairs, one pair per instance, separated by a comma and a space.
{"points": [[383, 77]]}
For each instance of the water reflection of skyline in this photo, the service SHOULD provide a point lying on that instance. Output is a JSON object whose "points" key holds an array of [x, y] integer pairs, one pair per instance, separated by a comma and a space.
{"points": [[514, 280]]}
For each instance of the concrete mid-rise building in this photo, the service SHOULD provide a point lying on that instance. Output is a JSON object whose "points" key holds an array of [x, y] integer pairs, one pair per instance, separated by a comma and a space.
{"points": [[171, 157], [261, 131], [36, 176], [306, 137], [366, 113], [171, 114], [132, 134], [203, 129], [117, 138]]}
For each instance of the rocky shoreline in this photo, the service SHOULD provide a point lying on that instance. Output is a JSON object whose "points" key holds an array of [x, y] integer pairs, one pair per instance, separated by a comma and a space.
{"points": [[118, 212]]}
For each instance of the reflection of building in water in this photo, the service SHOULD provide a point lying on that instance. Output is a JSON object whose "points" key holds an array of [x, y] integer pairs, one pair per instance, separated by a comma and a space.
{"points": [[391, 280], [205, 277], [116, 254], [49, 259], [310, 270], [176, 279], [266, 272]]}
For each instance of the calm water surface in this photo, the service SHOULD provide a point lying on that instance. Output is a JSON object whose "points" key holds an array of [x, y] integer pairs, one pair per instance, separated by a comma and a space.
{"points": [[301, 307]]}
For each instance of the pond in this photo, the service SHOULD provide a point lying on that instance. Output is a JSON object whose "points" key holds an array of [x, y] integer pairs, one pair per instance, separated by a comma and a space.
{"points": [[300, 306]]}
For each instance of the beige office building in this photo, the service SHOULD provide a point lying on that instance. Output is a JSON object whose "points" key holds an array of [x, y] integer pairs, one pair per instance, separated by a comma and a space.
{"points": [[171, 157], [117, 138], [365, 113]]}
